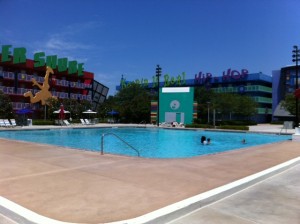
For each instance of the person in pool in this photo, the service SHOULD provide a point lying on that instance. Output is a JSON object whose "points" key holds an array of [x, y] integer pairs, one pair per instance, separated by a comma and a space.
{"points": [[203, 139], [208, 141]]}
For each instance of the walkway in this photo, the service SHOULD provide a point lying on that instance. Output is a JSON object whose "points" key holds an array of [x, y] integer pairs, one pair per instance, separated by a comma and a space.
{"points": [[275, 201], [85, 187]]}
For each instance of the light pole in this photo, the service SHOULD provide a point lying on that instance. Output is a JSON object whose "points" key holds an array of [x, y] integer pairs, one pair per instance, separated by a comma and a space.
{"points": [[296, 55], [208, 103], [158, 74]]}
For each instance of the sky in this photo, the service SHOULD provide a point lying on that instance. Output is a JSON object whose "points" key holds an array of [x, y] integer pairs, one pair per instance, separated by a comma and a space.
{"points": [[130, 37]]}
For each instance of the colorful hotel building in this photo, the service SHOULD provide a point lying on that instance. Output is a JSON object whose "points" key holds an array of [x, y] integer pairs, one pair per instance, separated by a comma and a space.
{"points": [[256, 85], [68, 81], [284, 82]]}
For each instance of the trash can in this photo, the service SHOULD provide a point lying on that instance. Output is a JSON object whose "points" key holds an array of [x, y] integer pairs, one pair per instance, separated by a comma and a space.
{"points": [[29, 122]]}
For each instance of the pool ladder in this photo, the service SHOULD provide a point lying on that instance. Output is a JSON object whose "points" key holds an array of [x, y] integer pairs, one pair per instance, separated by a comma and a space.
{"points": [[102, 143]]}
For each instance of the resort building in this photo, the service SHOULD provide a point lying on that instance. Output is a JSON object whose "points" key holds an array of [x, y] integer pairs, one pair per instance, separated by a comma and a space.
{"points": [[256, 85], [68, 80], [284, 82], [176, 104]]}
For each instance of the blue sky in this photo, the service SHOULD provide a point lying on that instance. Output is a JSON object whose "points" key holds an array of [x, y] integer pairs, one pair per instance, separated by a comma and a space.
{"points": [[130, 37]]}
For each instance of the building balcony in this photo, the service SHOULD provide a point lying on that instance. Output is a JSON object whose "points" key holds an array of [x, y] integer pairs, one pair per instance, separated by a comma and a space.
{"points": [[54, 82], [63, 95]]}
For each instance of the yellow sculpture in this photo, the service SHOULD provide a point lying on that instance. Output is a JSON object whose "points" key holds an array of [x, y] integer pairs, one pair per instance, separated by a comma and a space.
{"points": [[44, 92]]}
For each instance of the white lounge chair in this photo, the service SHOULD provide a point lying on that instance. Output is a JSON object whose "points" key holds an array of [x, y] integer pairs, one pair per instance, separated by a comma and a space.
{"points": [[82, 122], [87, 122], [165, 124], [13, 122], [66, 122], [7, 123], [2, 124]]}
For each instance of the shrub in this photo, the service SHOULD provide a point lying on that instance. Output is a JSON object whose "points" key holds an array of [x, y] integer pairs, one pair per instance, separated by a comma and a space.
{"points": [[234, 127], [236, 122], [277, 122], [228, 127], [42, 122], [199, 126]]}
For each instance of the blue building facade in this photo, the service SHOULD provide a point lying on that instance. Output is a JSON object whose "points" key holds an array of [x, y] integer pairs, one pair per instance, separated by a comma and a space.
{"points": [[256, 85], [283, 82]]}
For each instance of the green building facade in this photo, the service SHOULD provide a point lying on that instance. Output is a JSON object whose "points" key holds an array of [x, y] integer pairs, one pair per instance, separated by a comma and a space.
{"points": [[176, 104]]}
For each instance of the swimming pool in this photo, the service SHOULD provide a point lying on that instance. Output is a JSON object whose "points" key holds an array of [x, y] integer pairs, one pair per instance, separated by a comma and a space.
{"points": [[151, 142]]}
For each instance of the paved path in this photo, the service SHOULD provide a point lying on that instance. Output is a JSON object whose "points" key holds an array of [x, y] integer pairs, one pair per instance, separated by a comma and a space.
{"points": [[274, 201], [271, 128], [84, 187]]}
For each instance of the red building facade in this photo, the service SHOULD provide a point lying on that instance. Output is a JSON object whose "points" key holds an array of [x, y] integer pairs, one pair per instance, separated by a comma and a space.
{"points": [[68, 81]]}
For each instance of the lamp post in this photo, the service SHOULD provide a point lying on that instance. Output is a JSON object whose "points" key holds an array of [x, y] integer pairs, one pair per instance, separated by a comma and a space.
{"points": [[158, 74], [208, 103], [296, 58]]}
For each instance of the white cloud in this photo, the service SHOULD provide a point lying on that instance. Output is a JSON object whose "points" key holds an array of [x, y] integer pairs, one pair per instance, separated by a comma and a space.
{"points": [[68, 42], [58, 43]]}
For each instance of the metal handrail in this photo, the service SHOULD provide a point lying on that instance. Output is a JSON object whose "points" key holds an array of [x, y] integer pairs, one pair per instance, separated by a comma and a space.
{"points": [[102, 143]]}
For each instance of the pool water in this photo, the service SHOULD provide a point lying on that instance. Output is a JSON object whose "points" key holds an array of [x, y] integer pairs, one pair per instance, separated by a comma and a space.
{"points": [[151, 142]]}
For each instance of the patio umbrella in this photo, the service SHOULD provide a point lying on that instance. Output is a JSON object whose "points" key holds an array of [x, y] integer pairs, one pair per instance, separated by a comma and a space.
{"points": [[24, 111], [61, 112], [58, 111], [112, 113], [89, 112]]}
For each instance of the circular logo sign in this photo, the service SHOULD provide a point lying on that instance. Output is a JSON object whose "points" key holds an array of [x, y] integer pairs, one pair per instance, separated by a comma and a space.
{"points": [[174, 104]]}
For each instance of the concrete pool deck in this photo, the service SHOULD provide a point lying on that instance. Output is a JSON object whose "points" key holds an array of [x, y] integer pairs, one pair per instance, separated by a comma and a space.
{"points": [[85, 187]]}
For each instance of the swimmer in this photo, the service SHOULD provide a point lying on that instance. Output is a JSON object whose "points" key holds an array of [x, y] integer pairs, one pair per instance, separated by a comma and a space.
{"points": [[203, 139], [244, 141], [208, 141]]}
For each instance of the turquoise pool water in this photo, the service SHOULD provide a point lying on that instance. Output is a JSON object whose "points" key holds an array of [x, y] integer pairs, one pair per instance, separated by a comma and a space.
{"points": [[151, 142]]}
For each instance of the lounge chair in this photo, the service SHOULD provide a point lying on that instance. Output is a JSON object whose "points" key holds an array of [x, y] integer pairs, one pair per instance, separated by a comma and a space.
{"points": [[165, 124], [66, 122], [87, 122], [82, 122], [2, 124], [13, 122], [7, 123]]}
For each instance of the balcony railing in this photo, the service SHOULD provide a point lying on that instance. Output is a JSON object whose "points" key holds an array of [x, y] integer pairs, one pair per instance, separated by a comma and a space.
{"points": [[62, 95], [57, 82]]}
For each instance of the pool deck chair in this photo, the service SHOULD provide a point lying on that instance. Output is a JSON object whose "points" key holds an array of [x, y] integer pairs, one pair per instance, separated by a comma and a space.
{"points": [[13, 122], [287, 125], [2, 124], [66, 122], [87, 122], [7, 123], [82, 122]]}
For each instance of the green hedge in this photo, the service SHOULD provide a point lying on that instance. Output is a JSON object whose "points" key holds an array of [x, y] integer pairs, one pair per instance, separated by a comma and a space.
{"points": [[42, 122], [277, 122], [199, 126], [234, 127], [228, 127], [236, 123]]}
